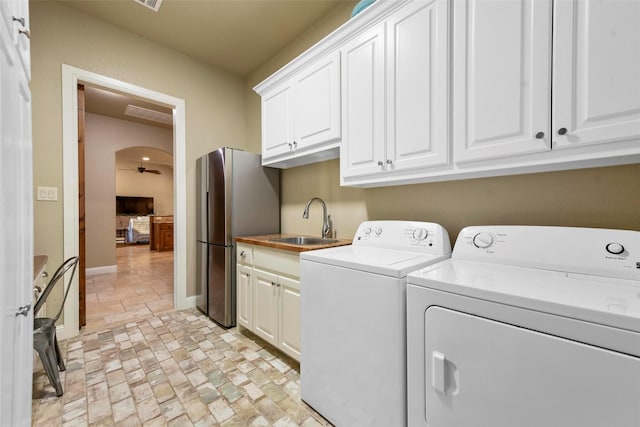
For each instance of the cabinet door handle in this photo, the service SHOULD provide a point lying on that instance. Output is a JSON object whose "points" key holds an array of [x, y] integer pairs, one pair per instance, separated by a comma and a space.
{"points": [[562, 131], [295, 144], [26, 33], [273, 283], [389, 161], [540, 135], [380, 163], [20, 20], [243, 253], [290, 146], [24, 310]]}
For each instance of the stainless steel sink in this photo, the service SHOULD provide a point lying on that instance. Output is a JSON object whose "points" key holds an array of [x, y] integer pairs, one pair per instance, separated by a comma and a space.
{"points": [[303, 240]]}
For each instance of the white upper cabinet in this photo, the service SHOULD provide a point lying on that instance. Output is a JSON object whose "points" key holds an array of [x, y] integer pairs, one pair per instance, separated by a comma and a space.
{"points": [[501, 78], [301, 116], [524, 86], [363, 148], [434, 90], [277, 122], [596, 72], [418, 86], [395, 96]]}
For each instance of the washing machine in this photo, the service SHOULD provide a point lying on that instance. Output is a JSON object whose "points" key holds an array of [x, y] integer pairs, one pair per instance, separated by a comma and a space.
{"points": [[353, 321], [527, 326]]}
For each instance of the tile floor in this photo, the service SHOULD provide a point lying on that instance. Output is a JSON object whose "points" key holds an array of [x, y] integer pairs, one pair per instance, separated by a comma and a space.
{"points": [[142, 286], [161, 367]]}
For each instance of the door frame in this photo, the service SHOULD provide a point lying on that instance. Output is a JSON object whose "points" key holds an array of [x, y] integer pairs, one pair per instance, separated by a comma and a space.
{"points": [[71, 76]]}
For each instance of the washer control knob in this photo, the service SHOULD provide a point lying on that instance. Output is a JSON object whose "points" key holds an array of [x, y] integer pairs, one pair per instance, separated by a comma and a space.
{"points": [[483, 240], [420, 233], [367, 230], [378, 231], [615, 248]]}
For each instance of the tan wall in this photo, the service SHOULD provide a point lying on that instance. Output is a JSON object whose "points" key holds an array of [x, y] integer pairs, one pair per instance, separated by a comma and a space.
{"points": [[104, 136], [130, 182], [215, 103], [600, 197]]}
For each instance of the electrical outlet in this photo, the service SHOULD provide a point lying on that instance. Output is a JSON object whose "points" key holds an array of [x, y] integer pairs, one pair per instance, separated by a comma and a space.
{"points": [[49, 194]]}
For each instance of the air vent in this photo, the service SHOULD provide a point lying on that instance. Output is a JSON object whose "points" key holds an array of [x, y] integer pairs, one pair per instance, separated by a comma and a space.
{"points": [[151, 4], [146, 114]]}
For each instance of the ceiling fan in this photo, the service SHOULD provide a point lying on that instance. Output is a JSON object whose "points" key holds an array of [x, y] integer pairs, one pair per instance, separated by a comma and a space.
{"points": [[142, 169]]}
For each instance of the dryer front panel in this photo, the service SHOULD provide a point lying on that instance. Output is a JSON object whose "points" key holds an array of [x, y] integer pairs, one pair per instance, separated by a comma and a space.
{"points": [[480, 372]]}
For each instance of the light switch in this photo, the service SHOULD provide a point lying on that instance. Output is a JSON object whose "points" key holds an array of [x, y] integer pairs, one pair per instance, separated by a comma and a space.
{"points": [[49, 194]]}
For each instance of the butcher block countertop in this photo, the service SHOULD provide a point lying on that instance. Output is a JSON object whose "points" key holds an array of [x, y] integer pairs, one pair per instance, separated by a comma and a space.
{"points": [[266, 240]]}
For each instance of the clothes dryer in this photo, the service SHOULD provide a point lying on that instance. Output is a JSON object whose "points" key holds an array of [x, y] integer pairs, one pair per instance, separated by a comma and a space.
{"points": [[527, 326], [353, 321]]}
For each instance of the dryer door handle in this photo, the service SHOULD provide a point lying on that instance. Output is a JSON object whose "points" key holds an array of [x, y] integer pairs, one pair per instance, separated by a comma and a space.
{"points": [[438, 371]]}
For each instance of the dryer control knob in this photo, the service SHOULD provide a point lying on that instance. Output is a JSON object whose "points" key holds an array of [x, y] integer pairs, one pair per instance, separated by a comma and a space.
{"points": [[420, 233], [367, 230], [615, 248], [378, 231], [483, 240]]}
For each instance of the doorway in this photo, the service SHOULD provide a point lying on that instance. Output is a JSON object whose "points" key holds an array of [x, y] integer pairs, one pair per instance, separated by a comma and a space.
{"points": [[71, 76]]}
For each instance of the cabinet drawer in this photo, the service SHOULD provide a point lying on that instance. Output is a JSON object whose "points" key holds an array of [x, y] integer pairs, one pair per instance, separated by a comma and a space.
{"points": [[244, 254], [283, 262]]}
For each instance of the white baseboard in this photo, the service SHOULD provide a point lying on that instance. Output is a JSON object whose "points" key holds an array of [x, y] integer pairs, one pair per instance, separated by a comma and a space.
{"points": [[101, 270], [190, 302]]}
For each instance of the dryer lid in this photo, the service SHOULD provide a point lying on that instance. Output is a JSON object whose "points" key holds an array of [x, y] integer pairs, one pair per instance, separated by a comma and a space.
{"points": [[606, 301], [387, 262]]}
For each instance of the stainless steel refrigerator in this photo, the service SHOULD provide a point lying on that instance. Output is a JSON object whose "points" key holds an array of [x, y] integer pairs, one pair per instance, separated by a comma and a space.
{"points": [[236, 196]]}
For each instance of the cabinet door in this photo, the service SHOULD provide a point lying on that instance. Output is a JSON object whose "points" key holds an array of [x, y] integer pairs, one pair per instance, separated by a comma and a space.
{"points": [[501, 78], [362, 151], [244, 296], [596, 91], [317, 103], [265, 306], [277, 122], [289, 330], [417, 86]]}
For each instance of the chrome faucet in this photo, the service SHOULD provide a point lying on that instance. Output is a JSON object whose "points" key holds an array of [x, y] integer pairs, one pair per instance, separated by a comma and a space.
{"points": [[326, 227]]}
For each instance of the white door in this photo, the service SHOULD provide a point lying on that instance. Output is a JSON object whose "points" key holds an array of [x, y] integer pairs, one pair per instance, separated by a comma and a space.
{"points": [[596, 89], [244, 296], [317, 103], [265, 306], [501, 78], [289, 331], [16, 197], [480, 372], [362, 151], [277, 121], [418, 86]]}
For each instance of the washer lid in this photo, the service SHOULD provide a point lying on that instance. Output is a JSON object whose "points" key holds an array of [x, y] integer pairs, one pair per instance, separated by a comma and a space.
{"points": [[606, 301], [387, 262]]}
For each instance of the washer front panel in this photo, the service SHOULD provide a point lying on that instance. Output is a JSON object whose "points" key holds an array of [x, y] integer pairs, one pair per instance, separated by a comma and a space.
{"points": [[611, 302]]}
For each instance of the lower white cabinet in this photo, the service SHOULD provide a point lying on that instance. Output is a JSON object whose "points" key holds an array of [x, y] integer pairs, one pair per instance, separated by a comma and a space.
{"points": [[268, 296]]}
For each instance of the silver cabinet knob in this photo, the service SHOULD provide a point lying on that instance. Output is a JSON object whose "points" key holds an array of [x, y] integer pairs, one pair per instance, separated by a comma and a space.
{"points": [[380, 163], [539, 135], [389, 161], [562, 131], [24, 310], [243, 253]]}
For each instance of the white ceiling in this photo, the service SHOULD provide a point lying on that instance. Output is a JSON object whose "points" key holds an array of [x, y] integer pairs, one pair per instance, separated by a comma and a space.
{"points": [[234, 35]]}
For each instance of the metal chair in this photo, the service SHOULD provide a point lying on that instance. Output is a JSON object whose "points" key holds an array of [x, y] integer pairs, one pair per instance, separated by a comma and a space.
{"points": [[44, 328]]}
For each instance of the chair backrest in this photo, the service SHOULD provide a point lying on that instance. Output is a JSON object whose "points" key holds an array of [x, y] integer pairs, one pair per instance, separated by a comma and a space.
{"points": [[58, 276]]}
